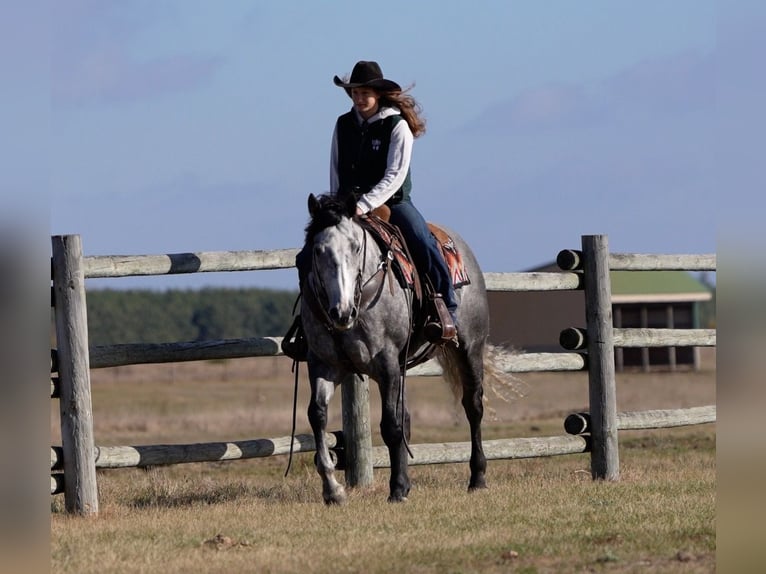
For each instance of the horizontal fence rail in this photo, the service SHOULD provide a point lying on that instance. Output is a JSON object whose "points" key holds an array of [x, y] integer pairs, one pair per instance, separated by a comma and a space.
{"points": [[98, 266], [521, 363], [165, 454], [514, 448], [649, 262], [572, 259], [104, 266], [579, 423], [574, 338], [142, 353], [533, 281], [104, 356]]}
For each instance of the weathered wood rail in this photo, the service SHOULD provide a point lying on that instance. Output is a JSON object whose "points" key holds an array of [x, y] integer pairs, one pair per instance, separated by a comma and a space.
{"points": [[590, 348]]}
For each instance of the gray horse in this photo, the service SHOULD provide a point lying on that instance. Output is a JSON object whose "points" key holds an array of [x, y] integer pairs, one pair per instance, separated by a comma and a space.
{"points": [[356, 323]]}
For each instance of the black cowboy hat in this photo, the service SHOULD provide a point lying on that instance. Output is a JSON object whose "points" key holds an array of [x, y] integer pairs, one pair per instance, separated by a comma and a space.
{"points": [[369, 75]]}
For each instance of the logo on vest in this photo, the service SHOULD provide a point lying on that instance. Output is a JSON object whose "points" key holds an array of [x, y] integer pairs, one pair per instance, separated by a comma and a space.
{"points": [[375, 144]]}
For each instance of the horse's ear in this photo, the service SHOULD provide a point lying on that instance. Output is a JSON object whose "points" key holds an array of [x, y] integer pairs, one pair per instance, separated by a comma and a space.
{"points": [[313, 204], [351, 205]]}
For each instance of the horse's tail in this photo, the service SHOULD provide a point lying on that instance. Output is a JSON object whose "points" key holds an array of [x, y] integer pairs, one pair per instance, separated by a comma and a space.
{"points": [[497, 381]]}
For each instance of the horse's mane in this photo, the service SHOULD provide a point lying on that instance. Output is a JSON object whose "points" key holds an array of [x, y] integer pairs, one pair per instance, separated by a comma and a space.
{"points": [[328, 211]]}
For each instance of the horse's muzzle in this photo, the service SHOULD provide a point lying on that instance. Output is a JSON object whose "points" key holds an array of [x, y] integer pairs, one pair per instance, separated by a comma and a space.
{"points": [[343, 321]]}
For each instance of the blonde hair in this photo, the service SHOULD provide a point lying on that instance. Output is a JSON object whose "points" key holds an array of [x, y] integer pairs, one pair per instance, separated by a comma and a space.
{"points": [[409, 108]]}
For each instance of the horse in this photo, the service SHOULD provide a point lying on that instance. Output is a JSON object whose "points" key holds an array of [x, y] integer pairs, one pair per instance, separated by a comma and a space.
{"points": [[356, 324]]}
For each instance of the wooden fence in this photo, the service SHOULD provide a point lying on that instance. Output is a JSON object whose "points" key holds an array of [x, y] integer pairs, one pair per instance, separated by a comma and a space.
{"points": [[590, 348]]}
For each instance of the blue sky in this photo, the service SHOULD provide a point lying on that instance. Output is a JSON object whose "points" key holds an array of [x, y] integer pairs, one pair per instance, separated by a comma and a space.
{"points": [[189, 125]]}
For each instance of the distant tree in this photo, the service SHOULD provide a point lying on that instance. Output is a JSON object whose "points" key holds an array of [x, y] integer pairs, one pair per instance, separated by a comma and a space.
{"points": [[133, 316]]}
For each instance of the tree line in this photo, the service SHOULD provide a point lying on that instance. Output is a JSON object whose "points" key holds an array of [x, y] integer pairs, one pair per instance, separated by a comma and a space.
{"points": [[146, 316]]}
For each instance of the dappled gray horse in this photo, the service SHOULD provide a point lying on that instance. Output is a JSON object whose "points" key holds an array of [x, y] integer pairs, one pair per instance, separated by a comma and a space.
{"points": [[359, 325]]}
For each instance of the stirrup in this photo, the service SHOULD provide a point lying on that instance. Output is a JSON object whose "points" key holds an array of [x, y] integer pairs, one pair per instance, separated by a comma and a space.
{"points": [[294, 342], [439, 334], [440, 328]]}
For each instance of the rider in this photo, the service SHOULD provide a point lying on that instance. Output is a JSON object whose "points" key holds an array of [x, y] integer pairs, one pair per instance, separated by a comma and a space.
{"points": [[370, 158]]}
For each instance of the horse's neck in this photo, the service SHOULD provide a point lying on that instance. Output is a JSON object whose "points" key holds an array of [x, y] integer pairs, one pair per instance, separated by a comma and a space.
{"points": [[371, 254]]}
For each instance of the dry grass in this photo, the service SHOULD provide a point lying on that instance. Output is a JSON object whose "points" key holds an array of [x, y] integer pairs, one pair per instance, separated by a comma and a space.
{"points": [[539, 515]]}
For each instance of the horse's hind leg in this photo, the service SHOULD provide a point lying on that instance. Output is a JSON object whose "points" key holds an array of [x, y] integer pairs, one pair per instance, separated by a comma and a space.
{"points": [[322, 390], [465, 369]]}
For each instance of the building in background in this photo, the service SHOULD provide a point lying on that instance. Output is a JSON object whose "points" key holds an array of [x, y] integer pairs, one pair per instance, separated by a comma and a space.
{"points": [[532, 321]]}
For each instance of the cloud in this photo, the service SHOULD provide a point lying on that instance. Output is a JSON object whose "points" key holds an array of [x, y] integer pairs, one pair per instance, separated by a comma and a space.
{"points": [[550, 106], [111, 76], [92, 60], [631, 155], [682, 83]]}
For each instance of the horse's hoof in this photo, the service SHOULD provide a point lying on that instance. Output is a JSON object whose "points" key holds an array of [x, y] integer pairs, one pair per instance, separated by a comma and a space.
{"points": [[337, 498], [335, 501], [478, 485], [393, 499]]}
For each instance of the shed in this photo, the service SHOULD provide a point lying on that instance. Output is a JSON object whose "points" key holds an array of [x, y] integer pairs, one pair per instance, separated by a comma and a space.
{"points": [[532, 321]]}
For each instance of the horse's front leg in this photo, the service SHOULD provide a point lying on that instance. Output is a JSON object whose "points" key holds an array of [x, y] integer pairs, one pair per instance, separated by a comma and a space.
{"points": [[394, 426], [323, 384]]}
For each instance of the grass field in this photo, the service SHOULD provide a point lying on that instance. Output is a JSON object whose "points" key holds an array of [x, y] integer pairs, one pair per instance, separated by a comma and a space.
{"points": [[539, 515]]}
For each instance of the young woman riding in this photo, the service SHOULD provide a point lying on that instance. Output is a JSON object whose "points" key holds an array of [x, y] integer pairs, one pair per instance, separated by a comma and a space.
{"points": [[370, 158]]}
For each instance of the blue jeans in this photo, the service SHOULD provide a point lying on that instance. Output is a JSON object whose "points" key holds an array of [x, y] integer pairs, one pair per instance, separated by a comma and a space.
{"points": [[424, 250]]}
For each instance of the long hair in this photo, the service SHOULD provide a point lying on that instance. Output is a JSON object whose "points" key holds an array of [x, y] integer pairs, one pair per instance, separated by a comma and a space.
{"points": [[409, 108]]}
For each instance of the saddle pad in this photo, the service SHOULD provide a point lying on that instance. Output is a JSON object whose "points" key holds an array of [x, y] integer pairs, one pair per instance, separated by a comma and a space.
{"points": [[387, 236], [404, 267], [451, 255]]}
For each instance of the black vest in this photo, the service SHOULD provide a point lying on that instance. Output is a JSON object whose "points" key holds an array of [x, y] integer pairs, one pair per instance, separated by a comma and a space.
{"points": [[363, 155]]}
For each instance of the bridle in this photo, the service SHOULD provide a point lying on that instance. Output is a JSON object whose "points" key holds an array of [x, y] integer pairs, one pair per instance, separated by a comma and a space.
{"points": [[319, 288], [365, 292]]}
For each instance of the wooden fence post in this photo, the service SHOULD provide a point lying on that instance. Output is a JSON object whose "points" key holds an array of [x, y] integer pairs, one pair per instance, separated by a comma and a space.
{"points": [[80, 490], [605, 458], [355, 398]]}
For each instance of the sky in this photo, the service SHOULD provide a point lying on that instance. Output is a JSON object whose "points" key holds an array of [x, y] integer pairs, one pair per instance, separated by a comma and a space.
{"points": [[189, 125]]}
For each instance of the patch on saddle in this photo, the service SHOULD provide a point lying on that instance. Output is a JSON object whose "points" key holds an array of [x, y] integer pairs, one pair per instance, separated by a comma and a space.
{"points": [[451, 255]]}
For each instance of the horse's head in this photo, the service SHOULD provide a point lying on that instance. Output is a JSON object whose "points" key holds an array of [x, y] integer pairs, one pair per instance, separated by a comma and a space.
{"points": [[338, 248], [327, 211]]}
